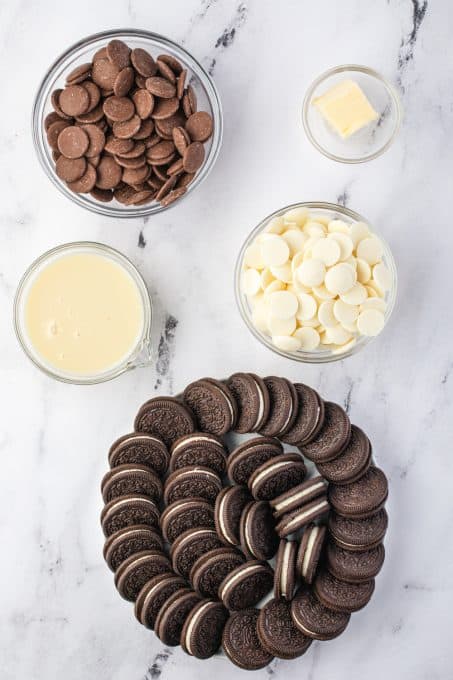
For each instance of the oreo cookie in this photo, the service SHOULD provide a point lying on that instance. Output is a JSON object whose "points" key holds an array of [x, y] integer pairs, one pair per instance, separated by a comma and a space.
{"points": [[193, 481], [140, 449], [276, 476], [252, 399], [277, 632], [131, 479], [165, 417], [128, 510], [246, 585], [199, 448], [211, 568], [241, 643], [201, 634], [213, 405], [316, 620], [354, 567], [185, 514], [285, 570], [354, 461], [284, 404], [342, 596], [358, 534], [133, 573], [189, 546], [128, 541], [229, 505], [295, 520], [331, 438], [154, 595], [171, 618], [309, 552], [257, 531], [362, 498], [309, 418], [298, 495], [247, 457]]}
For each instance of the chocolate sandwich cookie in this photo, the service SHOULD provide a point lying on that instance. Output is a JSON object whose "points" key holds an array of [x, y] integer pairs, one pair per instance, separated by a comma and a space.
{"points": [[128, 541], [165, 417], [342, 596], [284, 404], [142, 449], [362, 498], [211, 568], [309, 418], [154, 595], [244, 459], [354, 567], [133, 573], [185, 514], [314, 619], [229, 505], [252, 399], [331, 438], [277, 632], [213, 405], [189, 546], [257, 531], [241, 643], [194, 481], [246, 585], [131, 478], [199, 448], [298, 495], [276, 476], [285, 570], [201, 634], [358, 534], [128, 510], [309, 552], [352, 463], [171, 617], [299, 518]]}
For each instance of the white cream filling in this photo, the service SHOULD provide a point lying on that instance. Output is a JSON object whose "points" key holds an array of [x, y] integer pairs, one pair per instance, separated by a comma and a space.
{"points": [[192, 625], [149, 594], [300, 495], [309, 549], [134, 438], [261, 405], [193, 533], [177, 508], [247, 536], [237, 577], [223, 528], [206, 473], [303, 515], [270, 471], [289, 417], [284, 570], [194, 440], [126, 501]]}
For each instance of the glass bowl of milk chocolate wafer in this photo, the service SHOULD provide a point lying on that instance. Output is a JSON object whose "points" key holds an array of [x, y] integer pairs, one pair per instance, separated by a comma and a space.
{"points": [[126, 123]]}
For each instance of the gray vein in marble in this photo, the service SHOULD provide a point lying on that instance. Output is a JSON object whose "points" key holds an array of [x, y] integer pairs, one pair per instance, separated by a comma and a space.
{"points": [[165, 352], [141, 239], [344, 197], [348, 397], [315, 656], [227, 37], [447, 373], [158, 663], [407, 46]]}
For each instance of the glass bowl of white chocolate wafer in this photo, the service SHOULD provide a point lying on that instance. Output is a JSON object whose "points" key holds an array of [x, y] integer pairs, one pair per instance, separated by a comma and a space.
{"points": [[315, 282]]}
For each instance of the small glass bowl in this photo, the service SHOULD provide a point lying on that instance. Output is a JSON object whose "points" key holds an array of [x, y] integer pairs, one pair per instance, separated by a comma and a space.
{"points": [[367, 143], [318, 356], [83, 51], [140, 355]]}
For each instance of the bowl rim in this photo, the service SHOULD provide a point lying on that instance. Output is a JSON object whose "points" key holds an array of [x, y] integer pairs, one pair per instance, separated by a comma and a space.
{"points": [[391, 90], [315, 357], [143, 344], [48, 80]]}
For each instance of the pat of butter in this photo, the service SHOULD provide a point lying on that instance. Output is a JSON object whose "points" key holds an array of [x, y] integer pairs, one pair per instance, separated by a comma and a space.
{"points": [[346, 108]]}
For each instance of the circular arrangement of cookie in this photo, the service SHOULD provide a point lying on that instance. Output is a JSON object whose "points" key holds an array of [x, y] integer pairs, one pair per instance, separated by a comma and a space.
{"points": [[239, 545]]}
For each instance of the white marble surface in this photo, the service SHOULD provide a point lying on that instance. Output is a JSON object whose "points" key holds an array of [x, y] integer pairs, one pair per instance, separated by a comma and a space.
{"points": [[60, 614]]}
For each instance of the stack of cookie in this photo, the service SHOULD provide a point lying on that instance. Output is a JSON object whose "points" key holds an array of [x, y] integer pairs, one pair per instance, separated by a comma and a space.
{"points": [[198, 537]]}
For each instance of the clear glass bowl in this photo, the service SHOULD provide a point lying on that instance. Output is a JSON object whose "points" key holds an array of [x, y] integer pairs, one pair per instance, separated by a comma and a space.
{"points": [[331, 211], [81, 52], [140, 355], [367, 143]]}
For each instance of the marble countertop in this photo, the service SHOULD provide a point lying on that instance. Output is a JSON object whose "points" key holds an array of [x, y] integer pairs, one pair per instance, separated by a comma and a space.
{"points": [[61, 616]]}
